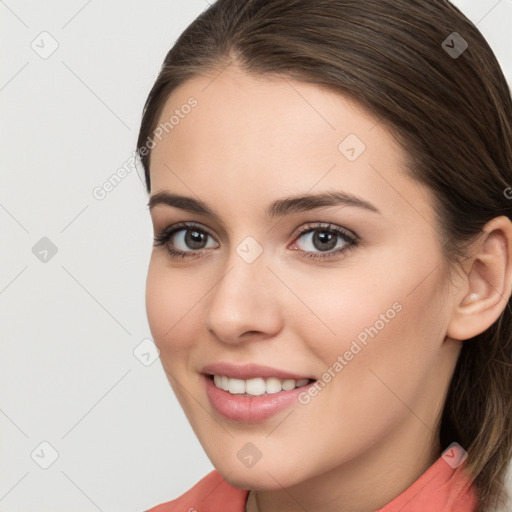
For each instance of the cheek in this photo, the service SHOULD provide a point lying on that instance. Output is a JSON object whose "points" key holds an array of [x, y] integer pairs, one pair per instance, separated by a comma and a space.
{"points": [[171, 303], [372, 316], [157, 302], [334, 310], [389, 344]]}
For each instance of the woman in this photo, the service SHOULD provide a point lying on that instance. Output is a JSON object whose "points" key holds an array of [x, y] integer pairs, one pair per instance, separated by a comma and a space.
{"points": [[330, 191]]}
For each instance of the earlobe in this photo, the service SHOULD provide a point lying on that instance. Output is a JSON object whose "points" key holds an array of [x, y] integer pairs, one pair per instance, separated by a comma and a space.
{"points": [[488, 282]]}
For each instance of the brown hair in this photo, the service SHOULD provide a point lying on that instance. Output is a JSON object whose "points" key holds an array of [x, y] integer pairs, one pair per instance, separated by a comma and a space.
{"points": [[453, 115]]}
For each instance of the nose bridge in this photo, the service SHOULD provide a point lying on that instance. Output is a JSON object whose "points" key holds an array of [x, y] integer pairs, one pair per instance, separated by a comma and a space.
{"points": [[246, 266], [244, 297]]}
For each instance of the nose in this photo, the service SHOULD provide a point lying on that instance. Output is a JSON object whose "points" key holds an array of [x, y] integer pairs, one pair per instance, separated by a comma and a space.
{"points": [[244, 304]]}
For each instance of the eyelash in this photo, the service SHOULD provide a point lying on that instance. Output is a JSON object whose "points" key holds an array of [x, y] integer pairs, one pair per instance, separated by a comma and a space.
{"points": [[163, 238]]}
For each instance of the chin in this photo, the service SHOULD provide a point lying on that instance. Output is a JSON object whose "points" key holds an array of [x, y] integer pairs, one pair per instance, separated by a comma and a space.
{"points": [[258, 479]]}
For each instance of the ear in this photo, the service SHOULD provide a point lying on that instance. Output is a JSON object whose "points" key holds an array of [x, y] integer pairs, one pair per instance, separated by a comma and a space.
{"points": [[487, 285]]}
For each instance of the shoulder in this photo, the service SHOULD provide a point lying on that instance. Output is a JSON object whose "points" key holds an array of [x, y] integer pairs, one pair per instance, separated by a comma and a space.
{"points": [[211, 494]]}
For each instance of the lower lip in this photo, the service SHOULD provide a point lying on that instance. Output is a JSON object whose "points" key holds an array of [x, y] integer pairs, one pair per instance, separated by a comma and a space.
{"points": [[250, 409]]}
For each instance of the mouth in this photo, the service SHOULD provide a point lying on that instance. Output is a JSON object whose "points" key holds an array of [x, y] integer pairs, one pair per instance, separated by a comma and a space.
{"points": [[252, 393], [256, 386]]}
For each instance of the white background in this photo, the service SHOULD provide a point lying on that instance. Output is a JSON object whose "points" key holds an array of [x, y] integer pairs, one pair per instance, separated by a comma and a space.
{"points": [[69, 326]]}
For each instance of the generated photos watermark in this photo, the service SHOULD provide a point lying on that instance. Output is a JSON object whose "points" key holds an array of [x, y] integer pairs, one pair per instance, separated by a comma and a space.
{"points": [[100, 192], [343, 360]]}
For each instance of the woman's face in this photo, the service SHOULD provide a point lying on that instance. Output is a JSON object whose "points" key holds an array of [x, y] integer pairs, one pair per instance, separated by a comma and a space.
{"points": [[366, 320]]}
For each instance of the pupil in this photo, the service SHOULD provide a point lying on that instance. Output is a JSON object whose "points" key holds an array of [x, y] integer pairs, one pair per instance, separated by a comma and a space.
{"points": [[194, 238], [324, 237]]}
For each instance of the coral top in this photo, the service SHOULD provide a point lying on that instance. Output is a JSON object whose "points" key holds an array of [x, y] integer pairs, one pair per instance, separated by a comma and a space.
{"points": [[442, 488]]}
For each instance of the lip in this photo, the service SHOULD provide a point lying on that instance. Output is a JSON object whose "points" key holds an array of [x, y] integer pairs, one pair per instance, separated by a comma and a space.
{"points": [[250, 409], [249, 371]]}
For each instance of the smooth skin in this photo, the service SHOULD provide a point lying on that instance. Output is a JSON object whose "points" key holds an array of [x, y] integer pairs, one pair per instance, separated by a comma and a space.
{"points": [[372, 431]]}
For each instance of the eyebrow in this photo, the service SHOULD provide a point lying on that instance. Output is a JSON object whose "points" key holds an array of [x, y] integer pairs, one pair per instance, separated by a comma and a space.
{"points": [[278, 208]]}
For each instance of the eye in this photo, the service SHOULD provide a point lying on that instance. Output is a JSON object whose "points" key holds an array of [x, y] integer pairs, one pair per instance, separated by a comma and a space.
{"points": [[318, 241], [184, 240], [328, 240]]}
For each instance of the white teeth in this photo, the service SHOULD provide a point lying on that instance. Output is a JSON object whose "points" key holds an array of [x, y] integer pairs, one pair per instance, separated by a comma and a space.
{"points": [[273, 385], [288, 384], [257, 386], [236, 386]]}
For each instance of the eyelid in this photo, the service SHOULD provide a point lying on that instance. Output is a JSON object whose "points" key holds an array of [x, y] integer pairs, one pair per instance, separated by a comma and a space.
{"points": [[328, 226], [185, 224]]}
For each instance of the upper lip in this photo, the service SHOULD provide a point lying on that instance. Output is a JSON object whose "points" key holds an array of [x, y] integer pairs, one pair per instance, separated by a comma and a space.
{"points": [[249, 371]]}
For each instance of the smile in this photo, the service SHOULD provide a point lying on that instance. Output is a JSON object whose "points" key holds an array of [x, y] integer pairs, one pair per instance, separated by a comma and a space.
{"points": [[257, 386]]}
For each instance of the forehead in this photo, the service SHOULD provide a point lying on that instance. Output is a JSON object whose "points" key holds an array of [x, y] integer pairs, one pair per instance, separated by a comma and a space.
{"points": [[264, 112], [264, 136]]}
